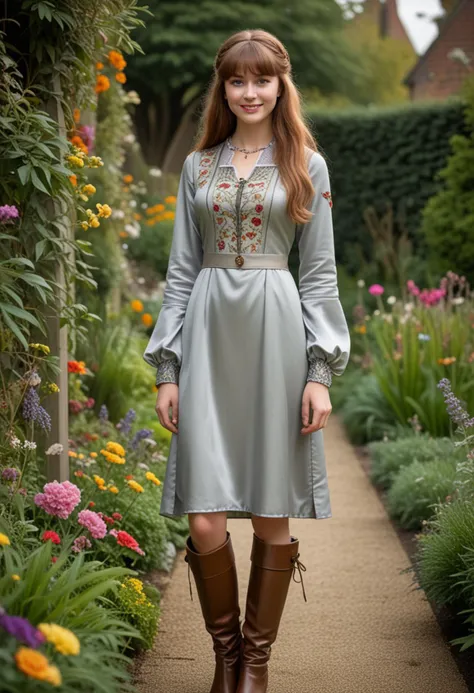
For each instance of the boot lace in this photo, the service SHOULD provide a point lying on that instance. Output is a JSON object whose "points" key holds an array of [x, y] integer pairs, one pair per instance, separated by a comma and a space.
{"points": [[297, 565]]}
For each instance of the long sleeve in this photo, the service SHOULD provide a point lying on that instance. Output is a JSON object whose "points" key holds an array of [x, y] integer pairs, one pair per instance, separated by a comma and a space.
{"points": [[327, 334], [164, 350]]}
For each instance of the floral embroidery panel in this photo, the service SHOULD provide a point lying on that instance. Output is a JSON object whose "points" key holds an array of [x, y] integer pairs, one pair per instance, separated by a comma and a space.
{"points": [[253, 210], [327, 196]]}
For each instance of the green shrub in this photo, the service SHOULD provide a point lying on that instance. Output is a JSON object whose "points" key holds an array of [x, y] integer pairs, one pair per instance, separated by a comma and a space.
{"points": [[388, 457], [444, 552], [416, 488]]}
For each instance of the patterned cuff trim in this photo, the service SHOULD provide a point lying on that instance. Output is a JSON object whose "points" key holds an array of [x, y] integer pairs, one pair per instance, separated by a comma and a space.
{"points": [[167, 372], [319, 371]]}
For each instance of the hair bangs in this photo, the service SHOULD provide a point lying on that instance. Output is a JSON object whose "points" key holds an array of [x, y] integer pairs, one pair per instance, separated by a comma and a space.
{"points": [[248, 55]]}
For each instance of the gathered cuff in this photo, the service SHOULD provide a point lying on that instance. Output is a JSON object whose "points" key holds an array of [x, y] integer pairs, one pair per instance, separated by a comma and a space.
{"points": [[168, 372], [319, 371]]}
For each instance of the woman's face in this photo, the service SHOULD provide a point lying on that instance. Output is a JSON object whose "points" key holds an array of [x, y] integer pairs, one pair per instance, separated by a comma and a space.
{"points": [[252, 97]]}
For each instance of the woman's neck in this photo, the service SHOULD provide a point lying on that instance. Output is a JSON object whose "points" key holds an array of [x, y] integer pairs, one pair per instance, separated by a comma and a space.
{"points": [[252, 136]]}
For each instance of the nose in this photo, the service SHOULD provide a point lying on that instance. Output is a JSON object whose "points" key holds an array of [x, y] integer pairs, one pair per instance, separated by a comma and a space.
{"points": [[250, 92]]}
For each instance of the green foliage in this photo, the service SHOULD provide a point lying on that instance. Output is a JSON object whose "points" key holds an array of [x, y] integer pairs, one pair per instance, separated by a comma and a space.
{"points": [[445, 553], [377, 156], [135, 607], [152, 248], [389, 457], [417, 488], [448, 218]]}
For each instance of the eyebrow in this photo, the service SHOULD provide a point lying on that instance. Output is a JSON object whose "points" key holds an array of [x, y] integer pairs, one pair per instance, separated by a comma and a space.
{"points": [[260, 75]]}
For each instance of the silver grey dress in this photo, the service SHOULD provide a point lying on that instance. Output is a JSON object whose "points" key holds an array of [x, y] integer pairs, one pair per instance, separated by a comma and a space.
{"points": [[241, 341]]}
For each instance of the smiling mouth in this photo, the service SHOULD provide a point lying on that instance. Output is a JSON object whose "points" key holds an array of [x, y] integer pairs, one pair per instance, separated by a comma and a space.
{"points": [[252, 109]]}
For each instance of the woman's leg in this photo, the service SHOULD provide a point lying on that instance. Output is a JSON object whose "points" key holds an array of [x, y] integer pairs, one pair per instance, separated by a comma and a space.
{"points": [[273, 559], [210, 555], [207, 530]]}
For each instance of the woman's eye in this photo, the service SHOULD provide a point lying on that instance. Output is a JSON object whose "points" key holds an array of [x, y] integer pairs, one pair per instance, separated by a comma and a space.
{"points": [[235, 81]]}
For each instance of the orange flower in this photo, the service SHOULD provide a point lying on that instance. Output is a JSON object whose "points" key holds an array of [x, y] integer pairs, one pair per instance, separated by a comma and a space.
{"points": [[76, 114], [447, 361], [147, 319], [102, 84], [116, 59], [137, 216], [35, 664], [129, 476], [73, 179], [128, 178], [120, 77], [99, 66], [123, 234], [136, 306], [76, 367], [79, 143]]}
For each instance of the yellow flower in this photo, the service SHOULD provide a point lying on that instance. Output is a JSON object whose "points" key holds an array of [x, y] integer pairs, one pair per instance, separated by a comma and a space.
{"points": [[63, 639], [112, 456], [147, 319], [113, 489], [136, 306], [75, 161], [120, 77], [447, 361], [170, 200], [135, 486], [104, 210], [52, 387], [80, 456], [84, 225], [98, 480], [71, 453], [41, 347], [136, 584], [4, 540], [93, 454], [16, 577], [361, 329], [151, 477], [88, 189], [94, 221], [168, 215], [95, 162], [36, 665], [115, 447]]}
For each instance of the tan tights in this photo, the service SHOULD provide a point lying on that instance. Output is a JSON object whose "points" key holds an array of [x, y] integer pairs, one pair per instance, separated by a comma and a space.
{"points": [[208, 530]]}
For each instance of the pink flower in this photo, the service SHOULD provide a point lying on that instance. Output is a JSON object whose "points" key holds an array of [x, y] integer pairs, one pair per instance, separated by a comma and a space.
{"points": [[412, 288], [376, 289], [91, 521], [58, 499], [81, 543], [49, 534], [113, 533]]}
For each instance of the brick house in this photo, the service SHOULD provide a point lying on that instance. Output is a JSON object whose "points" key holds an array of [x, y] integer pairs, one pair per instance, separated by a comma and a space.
{"points": [[436, 75], [385, 15]]}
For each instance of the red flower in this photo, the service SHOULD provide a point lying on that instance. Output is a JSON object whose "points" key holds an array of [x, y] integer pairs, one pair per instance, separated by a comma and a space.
{"points": [[216, 208], [256, 221], [49, 534], [327, 196], [89, 403], [126, 539], [251, 234], [221, 245], [259, 208], [117, 516], [91, 504], [203, 173], [224, 185], [109, 520], [54, 559], [129, 476]]}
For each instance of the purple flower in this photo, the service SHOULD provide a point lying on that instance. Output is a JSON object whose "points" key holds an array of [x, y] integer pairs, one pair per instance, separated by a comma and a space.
{"points": [[59, 499], [140, 435], [456, 411], [21, 629], [104, 413], [8, 213], [33, 411], [125, 424], [10, 474]]}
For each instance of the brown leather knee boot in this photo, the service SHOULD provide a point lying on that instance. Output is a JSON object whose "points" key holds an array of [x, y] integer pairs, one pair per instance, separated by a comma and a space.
{"points": [[216, 582], [272, 568]]}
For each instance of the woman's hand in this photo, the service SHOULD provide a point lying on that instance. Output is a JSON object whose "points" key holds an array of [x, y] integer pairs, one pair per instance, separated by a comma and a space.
{"points": [[315, 395], [168, 399]]}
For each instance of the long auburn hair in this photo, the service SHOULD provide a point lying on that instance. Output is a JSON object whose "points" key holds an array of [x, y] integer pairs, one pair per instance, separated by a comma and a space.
{"points": [[262, 53]]}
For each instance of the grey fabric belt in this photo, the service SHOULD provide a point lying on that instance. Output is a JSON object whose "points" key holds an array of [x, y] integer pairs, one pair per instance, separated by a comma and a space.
{"points": [[245, 261]]}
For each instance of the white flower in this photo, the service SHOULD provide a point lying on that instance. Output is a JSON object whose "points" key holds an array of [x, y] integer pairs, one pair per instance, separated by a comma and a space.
{"points": [[360, 283], [29, 445], [132, 230], [133, 204], [55, 449], [15, 442], [376, 311], [141, 280], [142, 465], [391, 300], [155, 172], [32, 378], [150, 442], [409, 306], [118, 214], [388, 317], [458, 301], [144, 205], [130, 138], [133, 97]]}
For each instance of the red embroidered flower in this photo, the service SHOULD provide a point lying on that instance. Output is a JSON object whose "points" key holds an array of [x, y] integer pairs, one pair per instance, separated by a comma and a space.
{"points": [[327, 196], [256, 221], [251, 234], [216, 208], [205, 161], [220, 220], [224, 185], [49, 534], [203, 173], [221, 245], [259, 208]]}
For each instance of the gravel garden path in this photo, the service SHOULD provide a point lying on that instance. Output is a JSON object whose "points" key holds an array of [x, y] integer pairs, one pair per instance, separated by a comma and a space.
{"points": [[365, 627]]}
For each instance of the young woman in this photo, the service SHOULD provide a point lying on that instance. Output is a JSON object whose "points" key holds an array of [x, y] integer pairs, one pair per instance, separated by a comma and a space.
{"points": [[252, 354]]}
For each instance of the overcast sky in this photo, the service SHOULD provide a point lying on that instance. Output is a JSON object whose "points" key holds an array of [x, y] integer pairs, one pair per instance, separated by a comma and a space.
{"points": [[421, 31]]}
